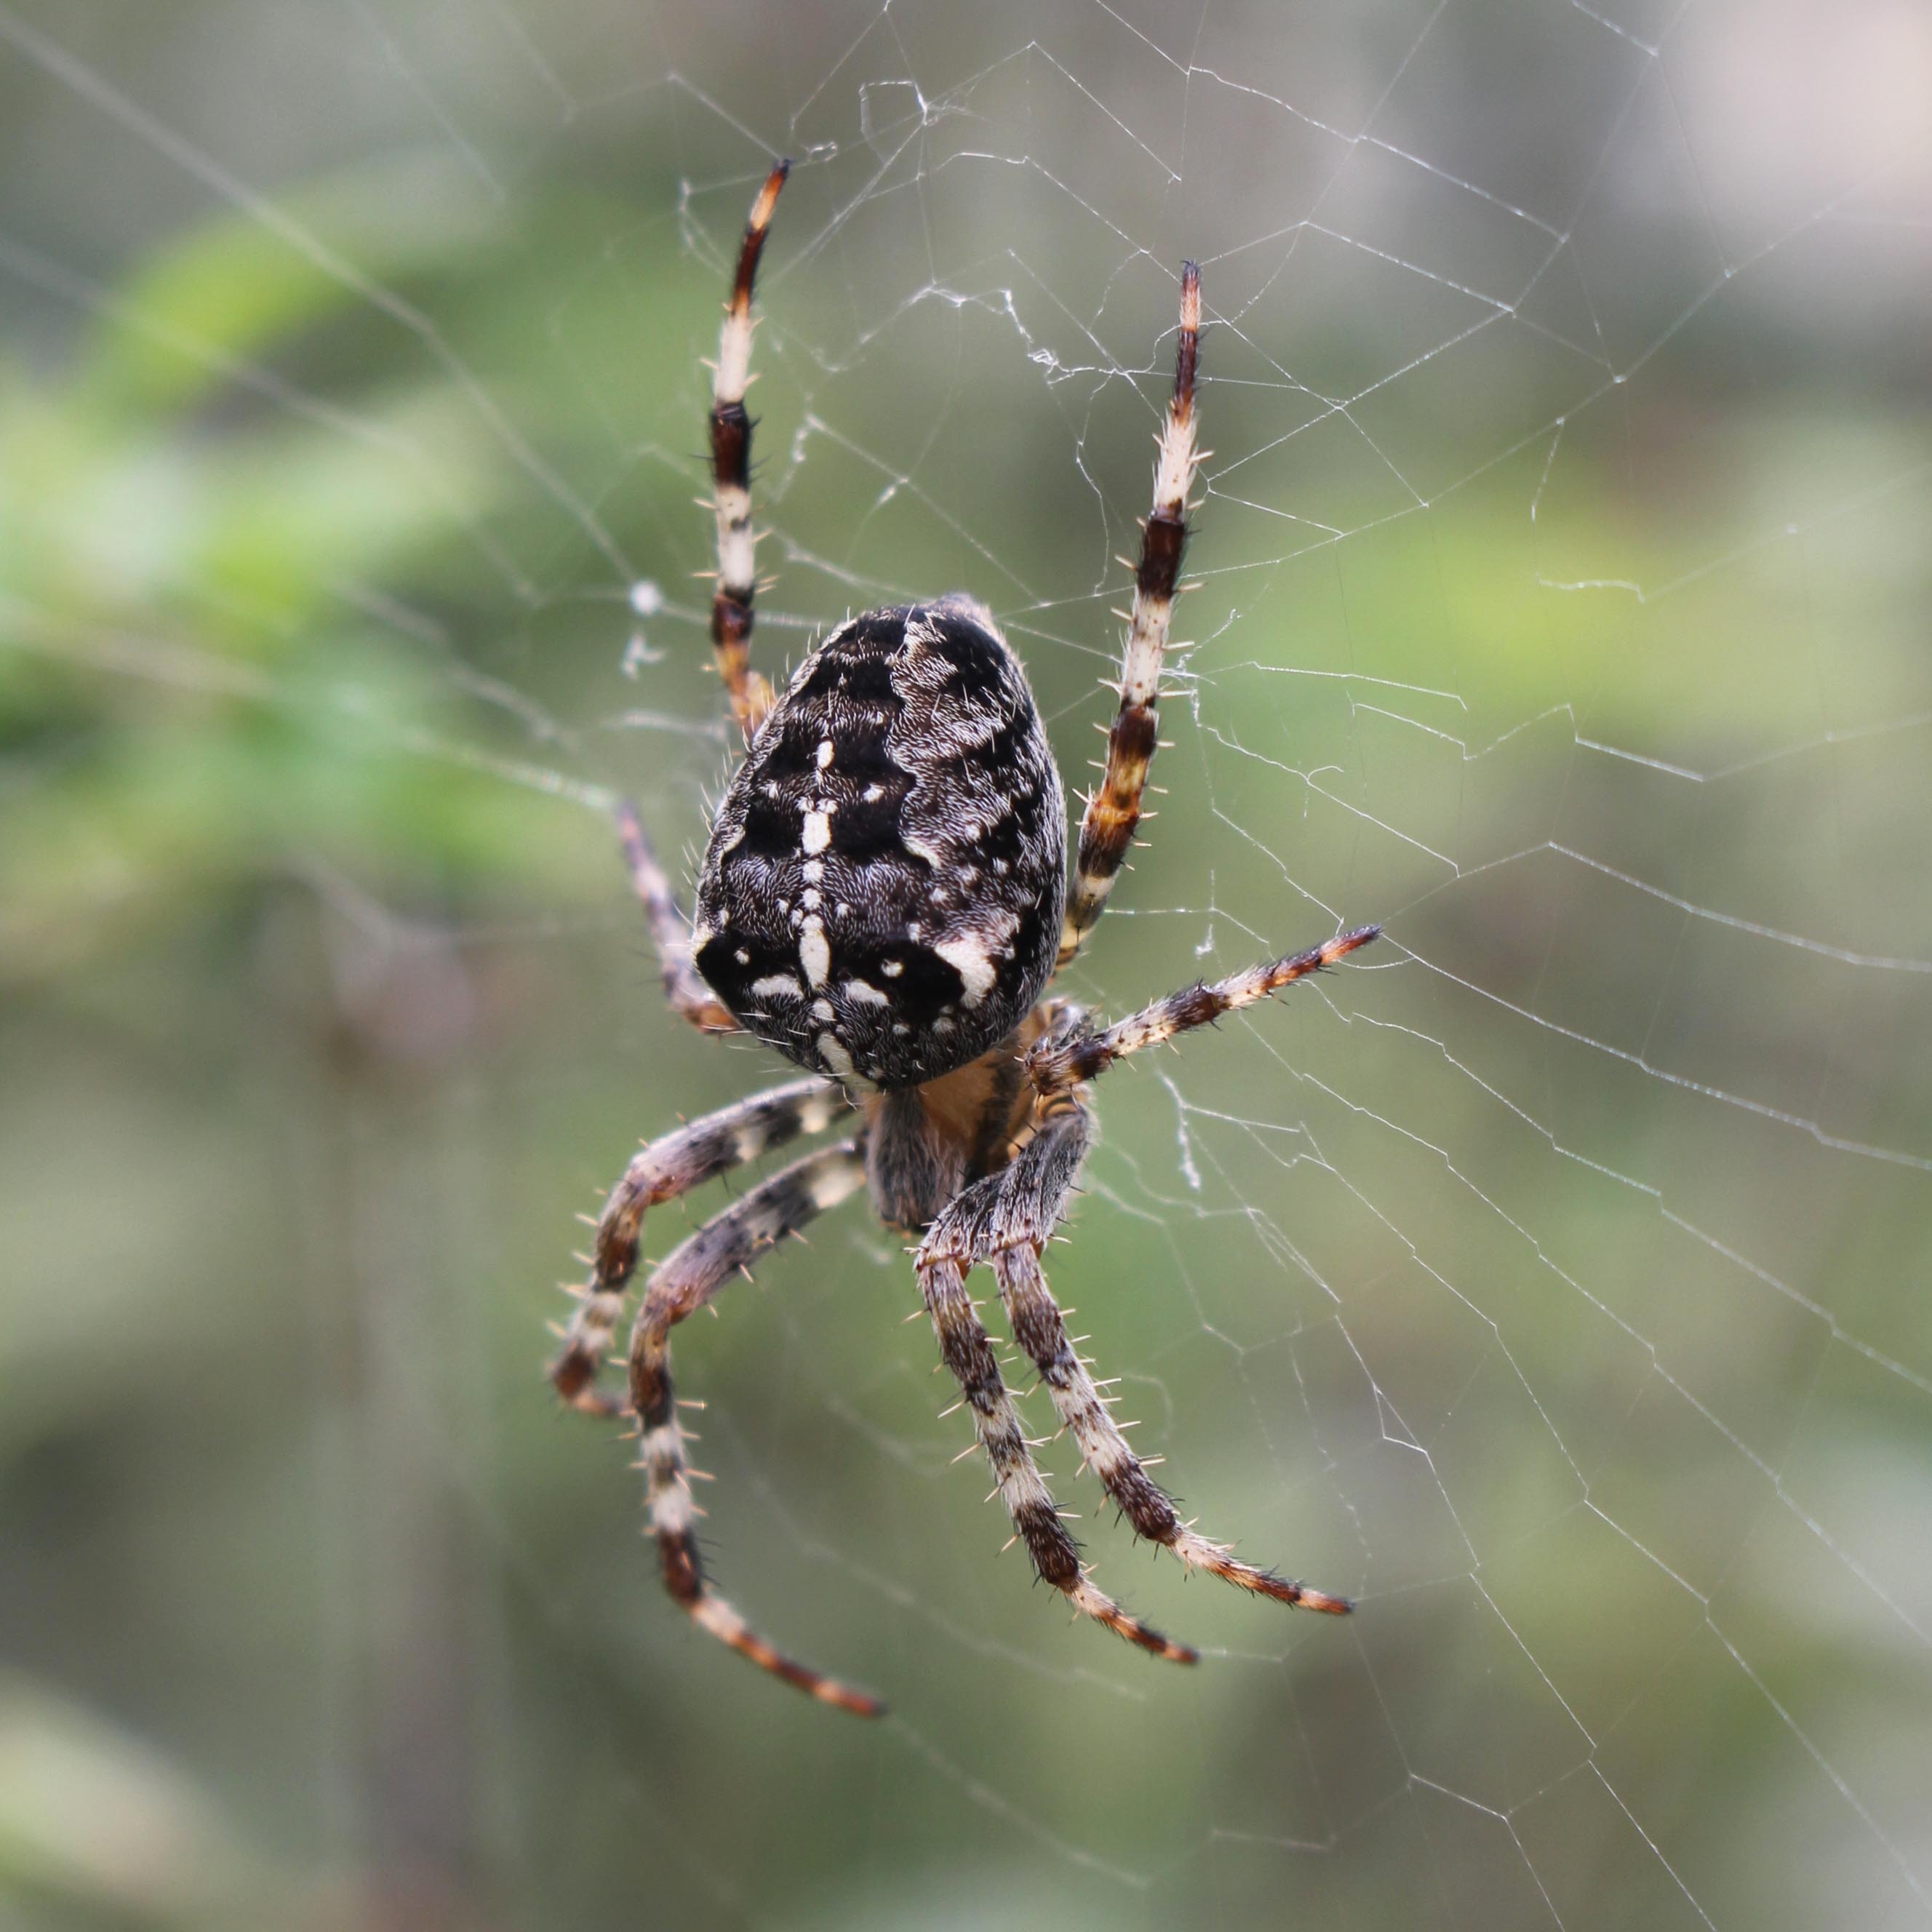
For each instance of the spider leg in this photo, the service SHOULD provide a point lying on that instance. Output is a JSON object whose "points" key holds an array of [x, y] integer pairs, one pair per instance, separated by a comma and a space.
{"points": [[684, 987], [1114, 811], [1011, 1231], [950, 1247], [679, 1286], [1060, 1061], [731, 476], [671, 1166], [1037, 1327]]}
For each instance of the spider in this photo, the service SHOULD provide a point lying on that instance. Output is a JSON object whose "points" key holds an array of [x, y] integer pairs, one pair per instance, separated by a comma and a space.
{"points": [[883, 899]]}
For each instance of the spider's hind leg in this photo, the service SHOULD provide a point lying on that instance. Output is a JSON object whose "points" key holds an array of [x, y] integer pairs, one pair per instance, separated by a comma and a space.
{"points": [[1113, 813], [691, 997], [730, 428]]}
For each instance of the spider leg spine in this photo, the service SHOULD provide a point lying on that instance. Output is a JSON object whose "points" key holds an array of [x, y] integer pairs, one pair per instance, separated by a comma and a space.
{"points": [[1058, 1062], [1008, 1227], [671, 931], [1103, 1445], [663, 1170], [1107, 827], [730, 435], [966, 1350], [686, 1281]]}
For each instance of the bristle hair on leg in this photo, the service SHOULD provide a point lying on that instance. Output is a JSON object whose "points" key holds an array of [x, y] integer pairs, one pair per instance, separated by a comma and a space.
{"points": [[686, 1280], [1113, 810], [736, 583]]}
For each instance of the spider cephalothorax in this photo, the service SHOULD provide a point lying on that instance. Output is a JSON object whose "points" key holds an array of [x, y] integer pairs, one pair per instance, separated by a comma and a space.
{"points": [[883, 899]]}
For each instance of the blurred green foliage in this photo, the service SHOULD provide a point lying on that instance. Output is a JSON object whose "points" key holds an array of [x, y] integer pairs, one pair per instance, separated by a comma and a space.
{"points": [[197, 691]]}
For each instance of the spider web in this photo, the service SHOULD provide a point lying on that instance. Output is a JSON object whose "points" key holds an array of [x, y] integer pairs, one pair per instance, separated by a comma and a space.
{"points": [[1552, 1283]]}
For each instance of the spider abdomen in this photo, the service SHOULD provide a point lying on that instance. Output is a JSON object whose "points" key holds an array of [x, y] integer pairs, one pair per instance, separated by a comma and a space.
{"points": [[880, 899]]}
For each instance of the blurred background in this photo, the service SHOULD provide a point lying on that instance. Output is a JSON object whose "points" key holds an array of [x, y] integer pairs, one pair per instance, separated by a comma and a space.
{"points": [[1554, 1282]]}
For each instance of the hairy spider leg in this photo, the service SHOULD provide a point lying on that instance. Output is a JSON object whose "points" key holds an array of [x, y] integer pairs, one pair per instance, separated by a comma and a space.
{"points": [[731, 476], [684, 987], [680, 1285], [669, 1166], [1113, 810], [1063, 1059], [954, 1241], [1033, 1192]]}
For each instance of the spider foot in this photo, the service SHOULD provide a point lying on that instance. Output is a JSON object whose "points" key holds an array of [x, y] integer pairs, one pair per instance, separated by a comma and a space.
{"points": [[1091, 1600], [1197, 1552], [711, 1613]]}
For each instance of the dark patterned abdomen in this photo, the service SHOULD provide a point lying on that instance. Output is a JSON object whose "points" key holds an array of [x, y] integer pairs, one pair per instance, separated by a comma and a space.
{"points": [[882, 895]]}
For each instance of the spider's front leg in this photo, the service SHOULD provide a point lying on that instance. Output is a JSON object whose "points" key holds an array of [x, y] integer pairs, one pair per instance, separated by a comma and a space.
{"points": [[678, 1287], [1007, 1221], [668, 1167], [1010, 1207], [1039, 1329], [967, 1350]]}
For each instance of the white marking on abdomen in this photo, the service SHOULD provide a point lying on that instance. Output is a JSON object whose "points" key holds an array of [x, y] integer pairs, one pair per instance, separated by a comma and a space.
{"points": [[814, 950], [968, 958]]}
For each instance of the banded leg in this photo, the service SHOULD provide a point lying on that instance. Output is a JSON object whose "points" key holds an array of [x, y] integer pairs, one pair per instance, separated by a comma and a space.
{"points": [[691, 998], [967, 1233], [1062, 1060], [679, 1286], [967, 1352], [1033, 1195], [671, 1166], [1114, 811], [731, 476]]}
